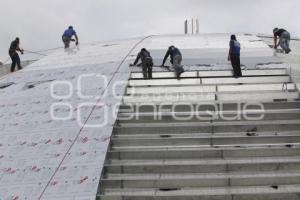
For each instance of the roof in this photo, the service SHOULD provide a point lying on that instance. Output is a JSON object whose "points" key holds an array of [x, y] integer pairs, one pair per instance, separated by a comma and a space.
{"points": [[46, 150]]}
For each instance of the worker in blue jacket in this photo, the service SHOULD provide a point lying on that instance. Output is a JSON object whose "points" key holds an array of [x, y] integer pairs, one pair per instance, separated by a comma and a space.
{"points": [[234, 56], [67, 36]]}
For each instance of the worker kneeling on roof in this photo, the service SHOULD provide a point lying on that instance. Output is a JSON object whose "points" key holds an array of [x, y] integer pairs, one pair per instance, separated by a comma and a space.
{"points": [[67, 36], [176, 59], [147, 63], [284, 39]]}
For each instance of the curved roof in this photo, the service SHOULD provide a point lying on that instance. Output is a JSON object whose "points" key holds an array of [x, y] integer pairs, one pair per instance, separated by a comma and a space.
{"points": [[57, 115]]}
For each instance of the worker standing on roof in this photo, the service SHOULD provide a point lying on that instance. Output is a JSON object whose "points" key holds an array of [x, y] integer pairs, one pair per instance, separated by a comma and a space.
{"points": [[14, 47], [67, 36], [147, 63], [234, 56], [176, 59], [284, 39]]}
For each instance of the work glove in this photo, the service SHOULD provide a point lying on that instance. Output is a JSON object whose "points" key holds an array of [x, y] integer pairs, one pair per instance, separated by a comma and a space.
{"points": [[76, 43], [22, 51]]}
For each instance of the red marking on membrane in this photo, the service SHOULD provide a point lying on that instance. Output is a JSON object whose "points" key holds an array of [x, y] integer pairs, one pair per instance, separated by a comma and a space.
{"points": [[35, 169], [11, 171], [60, 141], [83, 179], [33, 144], [106, 139], [23, 143], [63, 168], [54, 183], [48, 141], [84, 140], [8, 170], [15, 198]]}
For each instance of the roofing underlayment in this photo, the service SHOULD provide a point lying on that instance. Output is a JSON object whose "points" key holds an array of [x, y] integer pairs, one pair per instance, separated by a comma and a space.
{"points": [[57, 115]]}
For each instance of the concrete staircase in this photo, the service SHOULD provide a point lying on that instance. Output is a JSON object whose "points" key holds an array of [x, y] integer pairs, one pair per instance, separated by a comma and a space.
{"points": [[190, 139]]}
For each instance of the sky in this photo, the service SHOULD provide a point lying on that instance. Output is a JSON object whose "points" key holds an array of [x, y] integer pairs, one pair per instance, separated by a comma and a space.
{"points": [[40, 23]]}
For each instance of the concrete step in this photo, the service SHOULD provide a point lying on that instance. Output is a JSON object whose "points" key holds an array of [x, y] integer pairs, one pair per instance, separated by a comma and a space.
{"points": [[207, 106], [209, 165], [208, 116], [245, 80], [257, 87], [141, 148], [260, 96], [204, 162], [204, 129], [172, 89], [167, 82], [177, 152], [206, 140], [210, 81], [207, 127], [171, 98], [188, 74], [280, 192], [210, 88], [195, 180], [159, 135], [265, 96], [215, 73]]}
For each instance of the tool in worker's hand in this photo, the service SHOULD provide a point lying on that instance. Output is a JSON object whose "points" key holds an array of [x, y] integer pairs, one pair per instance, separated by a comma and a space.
{"points": [[34, 53]]}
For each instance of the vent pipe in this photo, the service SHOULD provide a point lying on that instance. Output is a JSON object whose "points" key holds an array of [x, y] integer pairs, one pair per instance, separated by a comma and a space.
{"points": [[186, 27]]}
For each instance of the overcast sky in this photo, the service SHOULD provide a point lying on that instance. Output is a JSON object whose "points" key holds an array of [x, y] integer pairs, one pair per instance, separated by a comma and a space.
{"points": [[40, 23]]}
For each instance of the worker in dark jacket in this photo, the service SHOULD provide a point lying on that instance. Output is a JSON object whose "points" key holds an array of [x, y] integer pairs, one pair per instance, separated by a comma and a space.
{"points": [[234, 56], [284, 39], [67, 36], [147, 62], [176, 59], [14, 47]]}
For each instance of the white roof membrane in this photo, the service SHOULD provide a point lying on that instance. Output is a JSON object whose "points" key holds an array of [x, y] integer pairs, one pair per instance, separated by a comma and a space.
{"points": [[45, 157]]}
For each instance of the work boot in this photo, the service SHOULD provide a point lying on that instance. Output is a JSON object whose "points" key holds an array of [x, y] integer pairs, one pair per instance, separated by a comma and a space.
{"points": [[288, 51], [179, 74]]}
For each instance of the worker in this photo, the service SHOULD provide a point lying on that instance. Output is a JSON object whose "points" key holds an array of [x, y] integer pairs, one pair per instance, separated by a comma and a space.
{"points": [[14, 47], [67, 36], [147, 62], [234, 56], [176, 59], [284, 39]]}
